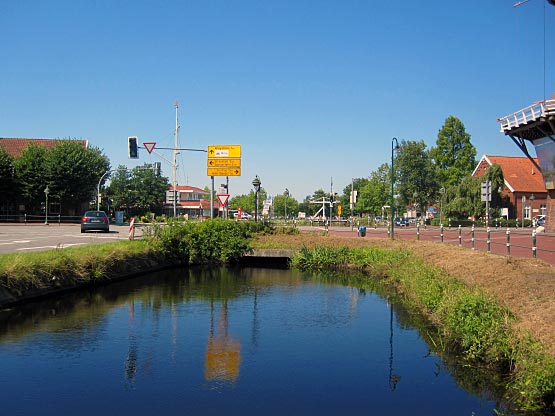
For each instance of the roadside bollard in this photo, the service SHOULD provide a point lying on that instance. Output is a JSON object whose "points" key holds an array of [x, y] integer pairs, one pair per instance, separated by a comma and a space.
{"points": [[460, 235], [441, 232], [131, 228], [508, 241], [534, 243], [489, 241], [418, 231], [472, 236]]}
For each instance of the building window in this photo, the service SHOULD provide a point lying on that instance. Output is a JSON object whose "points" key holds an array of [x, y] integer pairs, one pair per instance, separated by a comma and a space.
{"points": [[527, 212], [543, 209]]}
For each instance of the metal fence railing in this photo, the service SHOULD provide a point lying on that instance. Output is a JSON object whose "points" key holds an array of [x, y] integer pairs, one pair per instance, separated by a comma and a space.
{"points": [[515, 242], [41, 218]]}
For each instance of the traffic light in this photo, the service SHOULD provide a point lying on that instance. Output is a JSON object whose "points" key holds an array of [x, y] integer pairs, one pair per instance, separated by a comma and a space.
{"points": [[133, 148]]}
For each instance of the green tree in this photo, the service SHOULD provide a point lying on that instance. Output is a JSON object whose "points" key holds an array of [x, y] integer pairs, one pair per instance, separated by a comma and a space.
{"points": [[454, 155], [31, 176], [279, 206], [415, 175], [246, 202], [73, 172], [149, 190], [7, 178], [118, 190], [495, 175], [464, 200], [358, 184], [138, 191], [376, 193]]}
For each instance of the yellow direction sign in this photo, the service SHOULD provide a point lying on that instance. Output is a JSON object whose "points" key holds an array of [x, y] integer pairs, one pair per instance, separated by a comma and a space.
{"points": [[225, 151], [224, 171], [224, 163]]}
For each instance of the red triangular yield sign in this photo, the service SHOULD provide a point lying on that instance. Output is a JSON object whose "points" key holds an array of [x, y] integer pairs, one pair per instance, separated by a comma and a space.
{"points": [[149, 146], [223, 198]]}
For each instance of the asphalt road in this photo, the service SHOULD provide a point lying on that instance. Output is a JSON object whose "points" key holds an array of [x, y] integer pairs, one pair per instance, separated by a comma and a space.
{"points": [[21, 238]]}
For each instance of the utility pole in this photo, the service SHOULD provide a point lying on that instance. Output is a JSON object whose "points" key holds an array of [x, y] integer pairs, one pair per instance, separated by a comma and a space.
{"points": [[175, 152]]}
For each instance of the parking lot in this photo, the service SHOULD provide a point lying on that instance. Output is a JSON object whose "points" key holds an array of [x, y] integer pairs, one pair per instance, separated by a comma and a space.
{"points": [[20, 238]]}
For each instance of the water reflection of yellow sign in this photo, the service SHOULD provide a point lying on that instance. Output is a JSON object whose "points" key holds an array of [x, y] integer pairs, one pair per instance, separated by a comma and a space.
{"points": [[223, 358], [223, 353]]}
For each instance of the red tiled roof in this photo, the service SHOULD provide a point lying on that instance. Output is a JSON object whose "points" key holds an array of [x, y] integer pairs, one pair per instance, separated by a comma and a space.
{"points": [[519, 173], [187, 188], [14, 147]]}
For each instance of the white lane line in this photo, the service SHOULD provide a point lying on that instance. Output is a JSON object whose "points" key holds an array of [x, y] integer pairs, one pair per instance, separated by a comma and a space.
{"points": [[58, 246], [15, 242]]}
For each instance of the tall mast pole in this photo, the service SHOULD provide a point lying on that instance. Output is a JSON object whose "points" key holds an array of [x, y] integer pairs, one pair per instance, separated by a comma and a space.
{"points": [[175, 147]]}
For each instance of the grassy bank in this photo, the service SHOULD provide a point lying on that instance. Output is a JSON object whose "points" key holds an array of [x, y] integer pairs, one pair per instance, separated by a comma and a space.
{"points": [[27, 275], [468, 319]]}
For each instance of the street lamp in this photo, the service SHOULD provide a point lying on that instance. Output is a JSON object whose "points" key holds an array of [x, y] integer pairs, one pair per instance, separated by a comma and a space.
{"points": [[286, 193], [442, 192], [256, 184], [394, 140], [531, 198], [46, 192]]}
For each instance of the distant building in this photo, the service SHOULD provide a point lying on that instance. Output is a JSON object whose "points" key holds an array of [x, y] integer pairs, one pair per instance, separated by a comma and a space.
{"points": [[191, 202], [524, 190], [15, 147], [535, 125]]}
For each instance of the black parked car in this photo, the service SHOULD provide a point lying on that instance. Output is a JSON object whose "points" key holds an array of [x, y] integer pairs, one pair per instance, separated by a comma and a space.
{"points": [[95, 220]]}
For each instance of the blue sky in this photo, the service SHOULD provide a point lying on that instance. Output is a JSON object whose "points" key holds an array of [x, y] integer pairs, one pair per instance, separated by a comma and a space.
{"points": [[310, 89]]}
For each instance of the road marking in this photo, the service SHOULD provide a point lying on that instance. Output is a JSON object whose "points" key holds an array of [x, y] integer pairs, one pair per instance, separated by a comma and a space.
{"points": [[16, 242], [58, 246]]}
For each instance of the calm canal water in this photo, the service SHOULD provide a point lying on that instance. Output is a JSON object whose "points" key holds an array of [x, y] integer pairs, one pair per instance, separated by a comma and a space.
{"points": [[227, 342]]}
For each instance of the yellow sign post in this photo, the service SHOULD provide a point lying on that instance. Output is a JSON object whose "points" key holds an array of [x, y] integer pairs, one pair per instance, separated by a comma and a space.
{"points": [[223, 171], [224, 151], [224, 160]]}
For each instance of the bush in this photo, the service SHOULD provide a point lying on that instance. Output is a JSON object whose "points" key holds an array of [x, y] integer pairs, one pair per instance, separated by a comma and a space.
{"points": [[207, 242]]}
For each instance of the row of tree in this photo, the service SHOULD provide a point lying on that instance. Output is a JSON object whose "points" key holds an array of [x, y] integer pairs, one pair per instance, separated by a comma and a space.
{"points": [[72, 172], [439, 176], [422, 178], [69, 170]]}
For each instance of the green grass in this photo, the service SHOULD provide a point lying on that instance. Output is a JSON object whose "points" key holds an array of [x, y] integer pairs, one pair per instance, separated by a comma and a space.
{"points": [[67, 267]]}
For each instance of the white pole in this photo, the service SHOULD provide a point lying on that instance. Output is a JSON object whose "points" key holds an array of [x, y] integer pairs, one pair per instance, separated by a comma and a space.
{"points": [[175, 147]]}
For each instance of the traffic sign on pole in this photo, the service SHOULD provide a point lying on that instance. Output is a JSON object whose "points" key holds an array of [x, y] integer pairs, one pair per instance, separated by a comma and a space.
{"points": [[149, 146], [224, 171], [223, 199], [224, 160], [225, 151], [223, 163]]}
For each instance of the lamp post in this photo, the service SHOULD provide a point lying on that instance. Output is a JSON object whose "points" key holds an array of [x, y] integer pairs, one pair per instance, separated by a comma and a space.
{"points": [[523, 209], [46, 192], [286, 194], [442, 192], [394, 140], [256, 184], [531, 199]]}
